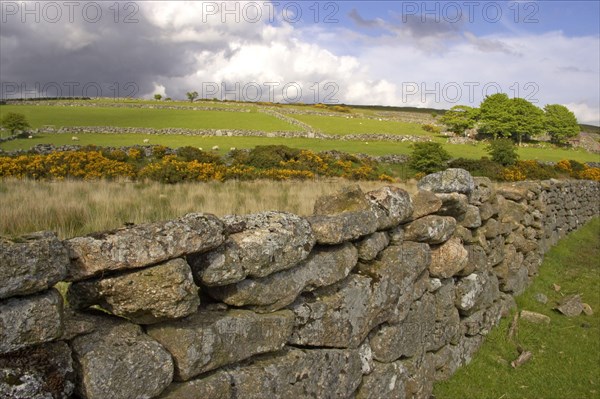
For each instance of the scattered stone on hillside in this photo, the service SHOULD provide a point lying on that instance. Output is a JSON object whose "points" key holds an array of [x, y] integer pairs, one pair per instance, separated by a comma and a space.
{"points": [[393, 206], [541, 298], [570, 306], [425, 203], [431, 229], [534, 317], [143, 245], [258, 245], [370, 246], [39, 372], [30, 320], [208, 340], [147, 296], [324, 266], [119, 361], [448, 259], [31, 263], [587, 309], [524, 357], [448, 181]]}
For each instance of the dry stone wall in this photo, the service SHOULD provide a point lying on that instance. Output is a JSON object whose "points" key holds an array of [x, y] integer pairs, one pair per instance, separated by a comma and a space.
{"points": [[377, 295]]}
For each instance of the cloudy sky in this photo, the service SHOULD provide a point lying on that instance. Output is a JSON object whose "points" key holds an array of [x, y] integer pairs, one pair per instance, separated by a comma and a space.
{"points": [[403, 53]]}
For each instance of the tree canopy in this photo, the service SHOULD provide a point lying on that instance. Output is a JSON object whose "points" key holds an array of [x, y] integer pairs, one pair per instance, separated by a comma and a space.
{"points": [[14, 122], [460, 118], [560, 123], [428, 157]]}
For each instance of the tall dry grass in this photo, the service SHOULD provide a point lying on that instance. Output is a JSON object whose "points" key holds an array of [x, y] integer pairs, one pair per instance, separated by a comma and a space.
{"points": [[73, 208]]}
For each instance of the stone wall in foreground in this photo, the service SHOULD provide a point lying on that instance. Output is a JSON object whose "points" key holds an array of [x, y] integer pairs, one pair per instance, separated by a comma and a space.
{"points": [[378, 295]]}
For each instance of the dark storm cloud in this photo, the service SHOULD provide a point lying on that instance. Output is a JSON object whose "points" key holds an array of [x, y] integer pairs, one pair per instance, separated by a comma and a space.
{"points": [[121, 58]]}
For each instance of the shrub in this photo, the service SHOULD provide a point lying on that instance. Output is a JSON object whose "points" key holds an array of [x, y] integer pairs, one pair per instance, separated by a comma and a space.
{"points": [[431, 128], [428, 157], [189, 154], [503, 151], [271, 156], [479, 167]]}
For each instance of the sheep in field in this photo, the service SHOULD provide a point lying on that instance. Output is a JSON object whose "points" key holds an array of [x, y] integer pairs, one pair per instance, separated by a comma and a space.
{"points": [[75, 138], [146, 141], [215, 148]]}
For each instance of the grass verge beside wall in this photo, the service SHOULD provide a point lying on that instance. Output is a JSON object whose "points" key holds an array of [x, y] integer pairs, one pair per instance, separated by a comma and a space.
{"points": [[566, 353]]}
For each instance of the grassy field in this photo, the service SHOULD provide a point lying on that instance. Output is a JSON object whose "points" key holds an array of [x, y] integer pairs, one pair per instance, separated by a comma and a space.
{"points": [[566, 353], [372, 148], [142, 117], [74, 208], [340, 125]]}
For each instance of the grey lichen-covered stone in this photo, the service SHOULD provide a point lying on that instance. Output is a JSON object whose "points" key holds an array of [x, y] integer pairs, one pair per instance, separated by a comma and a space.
{"points": [[347, 199], [488, 210], [421, 375], [431, 229], [386, 381], [342, 315], [393, 206], [432, 322], [211, 386], [158, 293], [119, 361], [471, 218], [291, 373], [143, 245], [448, 181], [425, 203], [510, 211], [335, 229], [453, 204], [211, 339], [482, 321], [477, 260], [448, 259], [39, 372], [476, 291], [30, 320], [324, 266], [370, 246], [31, 263], [483, 192], [513, 191], [259, 244]]}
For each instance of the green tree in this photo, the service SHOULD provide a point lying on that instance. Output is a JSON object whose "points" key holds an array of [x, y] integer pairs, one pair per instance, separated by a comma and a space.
{"points": [[560, 123], [157, 97], [495, 117], [460, 118], [503, 151], [527, 119], [192, 95], [428, 157], [14, 122]]}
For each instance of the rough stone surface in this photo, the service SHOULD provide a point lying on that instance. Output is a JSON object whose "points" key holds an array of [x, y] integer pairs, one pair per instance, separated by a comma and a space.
{"points": [[476, 291], [147, 296], [370, 246], [30, 320], [386, 381], [483, 192], [570, 306], [513, 192], [534, 317], [453, 204], [425, 203], [392, 204], [448, 181], [342, 315], [431, 229], [348, 199], [324, 266], [211, 386], [488, 210], [119, 361], [142, 245], [31, 263], [38, 372], [471, 218], [208, 339], [335, 229], [448, 259], [260, 244]]}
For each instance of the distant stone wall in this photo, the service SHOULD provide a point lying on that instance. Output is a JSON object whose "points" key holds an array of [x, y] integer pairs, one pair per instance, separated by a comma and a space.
{"points": [[377, 295]]}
